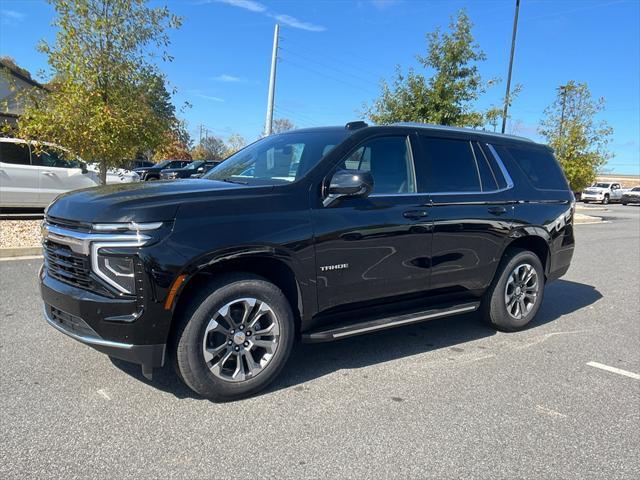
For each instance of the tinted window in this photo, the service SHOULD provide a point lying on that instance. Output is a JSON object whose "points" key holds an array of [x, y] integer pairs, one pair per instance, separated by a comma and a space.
{"points": [[16, 153], [451, 166], [389, 161], [538, 164], [487, 176]]}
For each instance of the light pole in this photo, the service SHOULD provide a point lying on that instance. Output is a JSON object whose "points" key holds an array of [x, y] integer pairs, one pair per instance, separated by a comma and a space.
{"points": [[513, 48], [272, 83]]}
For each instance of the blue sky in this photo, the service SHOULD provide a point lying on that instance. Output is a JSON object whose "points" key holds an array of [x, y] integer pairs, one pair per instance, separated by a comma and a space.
{"points": [[333, 54]]}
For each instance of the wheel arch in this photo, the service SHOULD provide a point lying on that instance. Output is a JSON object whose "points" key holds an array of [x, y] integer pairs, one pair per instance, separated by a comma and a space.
{"points": [[272, 264], [534, 239]]}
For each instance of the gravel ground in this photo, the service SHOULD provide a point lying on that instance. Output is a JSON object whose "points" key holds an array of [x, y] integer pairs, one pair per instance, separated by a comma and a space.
{"points": [[20, 233], [444, 399]]}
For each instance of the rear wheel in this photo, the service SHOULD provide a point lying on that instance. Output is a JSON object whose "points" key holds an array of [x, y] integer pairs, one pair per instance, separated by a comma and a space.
{"points": [[234, 338], [515, 295]]}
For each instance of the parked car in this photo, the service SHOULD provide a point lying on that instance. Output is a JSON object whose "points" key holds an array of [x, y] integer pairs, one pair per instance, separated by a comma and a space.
{"points": [[604, 192], [199, 167], [631, 196], [115, 175], [133, 164], [374, 228], [32, 175], [153, 173]]}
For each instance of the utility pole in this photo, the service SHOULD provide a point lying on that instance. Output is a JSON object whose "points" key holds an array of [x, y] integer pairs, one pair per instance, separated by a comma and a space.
{"points": [[272, 82], [563, 93], [513, 48], [201, 127]]}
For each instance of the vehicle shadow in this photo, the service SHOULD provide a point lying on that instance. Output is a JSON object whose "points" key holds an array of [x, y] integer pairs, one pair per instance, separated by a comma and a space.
{"points": [[311, 361]]}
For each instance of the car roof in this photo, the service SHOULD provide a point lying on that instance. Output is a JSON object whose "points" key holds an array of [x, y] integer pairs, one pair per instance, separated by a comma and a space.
{"points": [[499, 137]]}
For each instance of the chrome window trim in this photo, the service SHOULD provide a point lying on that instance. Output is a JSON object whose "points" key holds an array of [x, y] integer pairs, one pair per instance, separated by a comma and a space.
{"points": [[85, 339]]}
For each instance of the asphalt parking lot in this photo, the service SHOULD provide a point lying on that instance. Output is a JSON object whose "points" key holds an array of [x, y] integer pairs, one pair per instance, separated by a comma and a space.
{"points": [[445, 399]]}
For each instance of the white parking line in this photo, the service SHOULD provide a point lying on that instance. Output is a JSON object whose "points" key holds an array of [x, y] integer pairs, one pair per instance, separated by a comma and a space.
{"points": [[619, 371]]}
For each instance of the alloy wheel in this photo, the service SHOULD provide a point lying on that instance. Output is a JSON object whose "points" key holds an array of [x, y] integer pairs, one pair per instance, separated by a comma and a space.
{"points": [[241, 339], [521, 290]]}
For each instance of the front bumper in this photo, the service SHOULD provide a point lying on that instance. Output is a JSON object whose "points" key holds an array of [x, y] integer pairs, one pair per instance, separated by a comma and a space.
{"points": [[594, 197], [96, 321]]}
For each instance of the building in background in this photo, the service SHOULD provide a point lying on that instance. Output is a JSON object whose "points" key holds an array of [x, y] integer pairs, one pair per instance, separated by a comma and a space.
{"points": [[14, 83]]}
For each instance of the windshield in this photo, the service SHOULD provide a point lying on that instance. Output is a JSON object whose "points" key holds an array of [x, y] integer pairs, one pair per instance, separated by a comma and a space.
{"points": [[193, 165], [164, 163], [277, 159], [601, 185], [635, 189]]}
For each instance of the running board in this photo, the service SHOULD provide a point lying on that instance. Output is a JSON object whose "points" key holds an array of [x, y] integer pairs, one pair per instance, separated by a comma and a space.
{"points": [[382, 323]]}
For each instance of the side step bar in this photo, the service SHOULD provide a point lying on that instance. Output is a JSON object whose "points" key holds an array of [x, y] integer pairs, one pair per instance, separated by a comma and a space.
{"points": [[382, 323]]}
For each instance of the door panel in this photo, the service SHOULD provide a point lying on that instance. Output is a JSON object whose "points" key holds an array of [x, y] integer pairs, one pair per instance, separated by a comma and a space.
{"points": [[367, 248], [18, 178], [57, 174], [468, 238]]}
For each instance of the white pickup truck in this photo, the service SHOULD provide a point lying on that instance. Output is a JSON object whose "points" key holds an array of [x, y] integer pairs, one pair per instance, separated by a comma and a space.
{"points": [[604, 192]]}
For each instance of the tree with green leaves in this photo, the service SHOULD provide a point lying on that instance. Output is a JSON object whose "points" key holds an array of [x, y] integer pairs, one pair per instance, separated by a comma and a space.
{"points": [[210, 148], [177, 145], [447, 96], [579, 139], [108, 100]]}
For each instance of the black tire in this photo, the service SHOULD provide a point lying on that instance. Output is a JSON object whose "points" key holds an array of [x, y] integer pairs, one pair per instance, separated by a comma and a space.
{"points": [[606, 200], [152, 179], [585, 201], [625, 203], [494, 305], [190, 335]]}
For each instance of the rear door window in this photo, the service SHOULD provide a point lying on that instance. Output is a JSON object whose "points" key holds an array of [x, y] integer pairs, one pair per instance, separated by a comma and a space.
{"points": [[538, 164], [14, 153], [450, 167]]}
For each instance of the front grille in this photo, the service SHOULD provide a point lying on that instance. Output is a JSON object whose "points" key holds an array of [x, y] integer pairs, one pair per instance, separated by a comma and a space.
{"points": [[71, 323], [67, 266], [68, 224]]}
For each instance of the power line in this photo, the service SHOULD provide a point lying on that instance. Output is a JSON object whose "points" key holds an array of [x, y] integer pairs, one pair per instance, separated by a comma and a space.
{"points": [[331, 67], [331, 77]]}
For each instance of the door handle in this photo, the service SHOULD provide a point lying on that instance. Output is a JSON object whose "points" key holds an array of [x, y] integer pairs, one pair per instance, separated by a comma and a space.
{"points": [[48, 173], [415, 214], [497, 210]]}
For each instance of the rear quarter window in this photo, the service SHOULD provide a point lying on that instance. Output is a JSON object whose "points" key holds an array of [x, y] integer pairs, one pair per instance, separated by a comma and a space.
{"points": [[538, 164]]}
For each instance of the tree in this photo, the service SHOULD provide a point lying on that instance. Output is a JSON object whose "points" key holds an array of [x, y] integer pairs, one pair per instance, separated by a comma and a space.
{"points": [[493, 115], [234, 143], [210, 148], [281, 125], [579, 140], [177, 146], [108, 99], [447, 96]]}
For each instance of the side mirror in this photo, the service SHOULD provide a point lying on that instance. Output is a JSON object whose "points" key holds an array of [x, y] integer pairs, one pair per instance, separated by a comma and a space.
{"points": [[348, 183], [201, 169]]}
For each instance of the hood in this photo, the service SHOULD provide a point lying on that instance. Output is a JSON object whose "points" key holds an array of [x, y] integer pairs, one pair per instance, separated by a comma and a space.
{"points": [[137, 202]]}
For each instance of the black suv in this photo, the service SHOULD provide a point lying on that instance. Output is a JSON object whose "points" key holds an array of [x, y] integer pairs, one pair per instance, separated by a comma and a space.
{"points": [[311, 235], [153, 172]]}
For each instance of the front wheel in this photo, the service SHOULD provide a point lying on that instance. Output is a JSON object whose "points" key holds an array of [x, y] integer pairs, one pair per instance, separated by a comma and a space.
{"points": [[235, 337], [606, 200], [515, 295]]}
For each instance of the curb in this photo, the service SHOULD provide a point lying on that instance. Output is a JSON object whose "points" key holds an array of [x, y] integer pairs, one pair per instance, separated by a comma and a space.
{"points": [[20, 252]]}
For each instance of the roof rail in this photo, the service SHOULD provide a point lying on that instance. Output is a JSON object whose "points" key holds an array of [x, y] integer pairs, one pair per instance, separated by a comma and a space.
{"points": [[356, 125], [460, 129]]}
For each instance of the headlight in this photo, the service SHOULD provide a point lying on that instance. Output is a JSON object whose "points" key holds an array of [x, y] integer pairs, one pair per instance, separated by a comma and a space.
{"points": [[117, 271], [107, 262]]}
